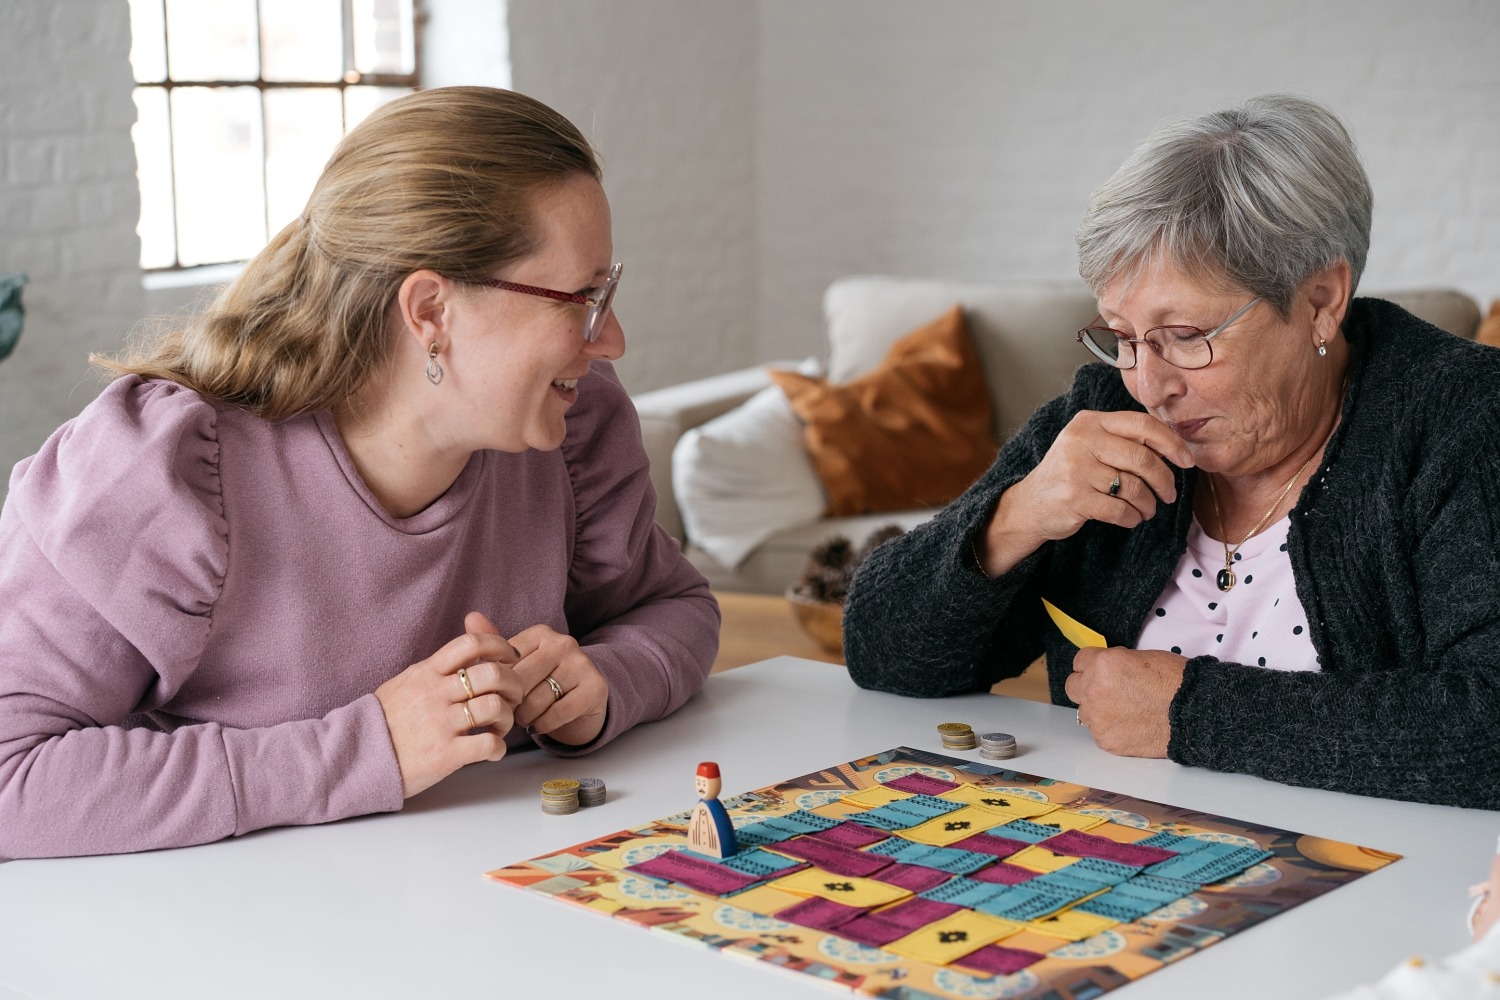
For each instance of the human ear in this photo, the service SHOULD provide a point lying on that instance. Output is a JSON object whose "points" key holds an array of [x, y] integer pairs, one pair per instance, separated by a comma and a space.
{"points": [[424, 302], [1327, 293]]}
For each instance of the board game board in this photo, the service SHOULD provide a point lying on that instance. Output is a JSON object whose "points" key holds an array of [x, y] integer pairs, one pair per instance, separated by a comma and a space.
{"points": [[909, 874]]}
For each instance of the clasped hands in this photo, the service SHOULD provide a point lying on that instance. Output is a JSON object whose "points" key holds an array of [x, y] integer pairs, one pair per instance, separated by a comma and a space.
{"points": [[539, 679]]}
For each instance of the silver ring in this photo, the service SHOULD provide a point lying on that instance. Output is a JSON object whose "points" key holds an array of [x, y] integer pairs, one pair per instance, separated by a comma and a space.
{"points": [[557, 691], [1114, 487], [463, 676]]}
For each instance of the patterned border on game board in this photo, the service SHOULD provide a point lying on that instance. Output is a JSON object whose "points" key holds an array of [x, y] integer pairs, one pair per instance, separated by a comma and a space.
{"points": [[909, 874]]}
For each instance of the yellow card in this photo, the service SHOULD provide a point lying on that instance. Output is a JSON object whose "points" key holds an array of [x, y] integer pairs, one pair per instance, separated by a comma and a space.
{"points": [[1008, 806], [1039, 859], [840, 888], [763, 900], [940, 831], [952, 937], [1078, 634], [874, 797], [1071, 925]]}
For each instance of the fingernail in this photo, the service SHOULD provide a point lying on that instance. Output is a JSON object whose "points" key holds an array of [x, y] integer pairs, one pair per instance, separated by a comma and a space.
{"points": [[514, 652]]}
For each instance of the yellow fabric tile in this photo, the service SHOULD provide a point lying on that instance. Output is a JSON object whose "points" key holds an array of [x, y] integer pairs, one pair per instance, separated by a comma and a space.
{"points": [[874, 797], [763, 900], [951, 828], [1013, 806], [1069, 820], [630, 852], [952, 937], [1029, 940], [1039, 859], [1120, 833], [1071, 925], [839, 888]]}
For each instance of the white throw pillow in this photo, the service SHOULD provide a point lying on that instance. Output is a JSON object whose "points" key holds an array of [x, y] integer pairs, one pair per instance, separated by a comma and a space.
{"points": [[742, 477]]}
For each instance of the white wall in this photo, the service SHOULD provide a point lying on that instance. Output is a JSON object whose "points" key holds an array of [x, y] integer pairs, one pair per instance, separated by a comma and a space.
{"points": [[962, 137], [68, 206], [666, 91]]}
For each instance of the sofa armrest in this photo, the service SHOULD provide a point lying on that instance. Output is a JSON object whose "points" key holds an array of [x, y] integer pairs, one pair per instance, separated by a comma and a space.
{"points": [[666, 414]]}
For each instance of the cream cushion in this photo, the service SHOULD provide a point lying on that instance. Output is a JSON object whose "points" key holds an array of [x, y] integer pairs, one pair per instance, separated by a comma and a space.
{"points": [[744, 476]]}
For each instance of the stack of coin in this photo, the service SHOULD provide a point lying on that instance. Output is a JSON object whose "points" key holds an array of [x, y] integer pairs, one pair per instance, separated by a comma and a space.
{"points": [[997, 746], [590, 792], [957, 736], [559, 796]]}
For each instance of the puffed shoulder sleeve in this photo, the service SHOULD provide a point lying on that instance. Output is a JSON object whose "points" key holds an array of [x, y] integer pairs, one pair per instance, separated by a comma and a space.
{"points": [[112, 554], [635, 604]]}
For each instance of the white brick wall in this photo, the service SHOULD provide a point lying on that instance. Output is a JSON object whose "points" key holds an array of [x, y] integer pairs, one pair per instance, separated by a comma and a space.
{"points": [[68, 205], [962, 137]]}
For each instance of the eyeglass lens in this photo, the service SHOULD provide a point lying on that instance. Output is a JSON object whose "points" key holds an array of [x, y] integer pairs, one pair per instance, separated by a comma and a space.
{"points": [[1180, 346]]}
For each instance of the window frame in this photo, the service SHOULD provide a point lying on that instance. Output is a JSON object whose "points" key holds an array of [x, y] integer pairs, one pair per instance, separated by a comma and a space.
{"points": [[350, 77]]}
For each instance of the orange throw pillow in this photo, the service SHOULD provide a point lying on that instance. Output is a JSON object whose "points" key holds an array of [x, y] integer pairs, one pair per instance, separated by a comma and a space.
{"points": [[915, 432], [1489, 328]]}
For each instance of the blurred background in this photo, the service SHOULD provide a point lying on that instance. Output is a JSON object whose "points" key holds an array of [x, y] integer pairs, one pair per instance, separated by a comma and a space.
{"points": [[754, 149]]}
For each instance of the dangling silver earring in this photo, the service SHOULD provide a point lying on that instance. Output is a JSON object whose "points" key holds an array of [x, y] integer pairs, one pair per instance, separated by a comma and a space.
{"points": [[1322, 348], [434, 370]]}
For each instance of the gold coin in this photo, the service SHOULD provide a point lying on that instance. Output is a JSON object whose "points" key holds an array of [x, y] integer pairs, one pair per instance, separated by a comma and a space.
{"points": [[955, 727], [560, 786]]}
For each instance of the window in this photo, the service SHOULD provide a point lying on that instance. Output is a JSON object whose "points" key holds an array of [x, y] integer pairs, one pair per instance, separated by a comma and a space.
{"points": [[240, 102]]}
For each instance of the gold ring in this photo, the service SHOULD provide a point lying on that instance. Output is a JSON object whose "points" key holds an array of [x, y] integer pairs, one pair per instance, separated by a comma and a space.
{"points": [[470, 716], [463, 675], [557, 691]]}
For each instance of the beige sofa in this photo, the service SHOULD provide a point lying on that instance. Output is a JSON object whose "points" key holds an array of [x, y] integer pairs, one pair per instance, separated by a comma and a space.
{"points": [[1024, 337]]}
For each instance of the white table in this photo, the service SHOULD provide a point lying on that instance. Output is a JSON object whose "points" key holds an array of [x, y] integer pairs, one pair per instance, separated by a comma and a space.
{"points": [[396, 906]]}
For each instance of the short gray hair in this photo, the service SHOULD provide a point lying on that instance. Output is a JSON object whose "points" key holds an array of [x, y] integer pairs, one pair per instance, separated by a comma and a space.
{"points": [[1260, 196]]}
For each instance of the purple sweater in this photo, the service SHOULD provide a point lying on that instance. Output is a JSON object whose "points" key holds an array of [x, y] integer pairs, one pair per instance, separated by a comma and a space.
{"points": [[197, 605]]}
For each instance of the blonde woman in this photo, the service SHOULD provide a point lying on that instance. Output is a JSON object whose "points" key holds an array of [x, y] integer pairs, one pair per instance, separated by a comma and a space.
{"points": [[382, 512]]}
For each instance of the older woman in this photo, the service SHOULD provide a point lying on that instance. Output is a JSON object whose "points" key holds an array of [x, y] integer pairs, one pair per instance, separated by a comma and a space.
{"points": [[1279, 505], [382, 512]]}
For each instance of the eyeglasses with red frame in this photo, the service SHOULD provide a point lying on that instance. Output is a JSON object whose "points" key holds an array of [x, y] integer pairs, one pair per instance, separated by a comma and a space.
{"points": [[597, 299]]}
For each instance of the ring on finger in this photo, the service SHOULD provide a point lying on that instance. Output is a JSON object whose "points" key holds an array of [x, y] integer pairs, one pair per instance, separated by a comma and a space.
{"points": [[557, 691], [1114, 486], [463, 676], [470, 716]]}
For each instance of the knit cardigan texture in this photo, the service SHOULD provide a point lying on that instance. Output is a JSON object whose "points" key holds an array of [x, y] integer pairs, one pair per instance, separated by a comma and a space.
{"points": [[1394, 545]]}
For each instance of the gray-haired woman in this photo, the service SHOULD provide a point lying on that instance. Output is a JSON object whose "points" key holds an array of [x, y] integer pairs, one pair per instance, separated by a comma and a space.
{"points": [[1277, 503]]}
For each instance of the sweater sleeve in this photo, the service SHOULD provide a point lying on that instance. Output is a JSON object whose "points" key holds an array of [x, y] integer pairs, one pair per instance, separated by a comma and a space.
{"points": [[637, 607], [1416, 724], [113, 550], [921, 619]]}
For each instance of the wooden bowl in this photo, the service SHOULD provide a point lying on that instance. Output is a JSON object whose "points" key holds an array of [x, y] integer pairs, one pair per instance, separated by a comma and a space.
{"points": [[822, 620]]}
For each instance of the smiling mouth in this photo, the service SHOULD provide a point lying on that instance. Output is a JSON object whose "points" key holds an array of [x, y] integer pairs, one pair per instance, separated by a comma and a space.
{"points": [[565, 383]]}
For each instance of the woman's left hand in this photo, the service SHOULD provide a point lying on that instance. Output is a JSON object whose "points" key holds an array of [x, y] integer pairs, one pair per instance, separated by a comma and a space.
{"points": [[571, 708], [1123, 696]]}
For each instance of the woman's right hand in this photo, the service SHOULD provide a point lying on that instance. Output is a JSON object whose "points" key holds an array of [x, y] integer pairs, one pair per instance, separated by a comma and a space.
{"points": [[424, 709], [1071, 484]]}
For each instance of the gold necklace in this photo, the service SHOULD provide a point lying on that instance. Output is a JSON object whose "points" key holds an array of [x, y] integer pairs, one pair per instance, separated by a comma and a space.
{"points": [[1226, 578]]}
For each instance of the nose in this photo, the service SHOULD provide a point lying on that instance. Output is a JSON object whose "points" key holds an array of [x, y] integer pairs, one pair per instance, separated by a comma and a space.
{"points": [[610, 344], [1152, 381]]}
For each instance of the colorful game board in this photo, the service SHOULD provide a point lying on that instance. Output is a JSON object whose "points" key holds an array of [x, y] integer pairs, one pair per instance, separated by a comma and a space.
{"points": [[909, 874]]}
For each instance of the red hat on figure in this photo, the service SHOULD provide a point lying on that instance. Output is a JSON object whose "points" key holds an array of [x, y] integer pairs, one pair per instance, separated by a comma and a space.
{"points": [[708, 769]]}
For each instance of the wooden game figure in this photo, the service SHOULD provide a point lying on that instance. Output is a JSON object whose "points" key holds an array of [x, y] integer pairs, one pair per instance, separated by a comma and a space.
{"points": [[710, 831]]}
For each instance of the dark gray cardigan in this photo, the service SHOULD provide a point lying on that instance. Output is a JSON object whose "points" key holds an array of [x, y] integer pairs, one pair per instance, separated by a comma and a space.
{"points": [[1395, 547]]}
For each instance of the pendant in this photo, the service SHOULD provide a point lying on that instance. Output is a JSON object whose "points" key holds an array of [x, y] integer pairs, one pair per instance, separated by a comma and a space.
{"points": [[1225, 579]]}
